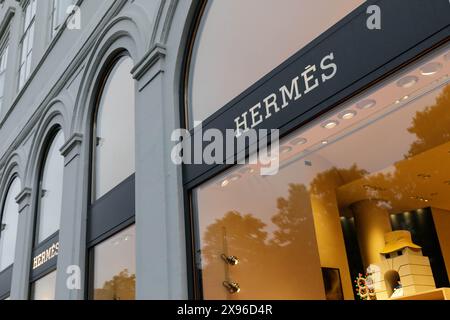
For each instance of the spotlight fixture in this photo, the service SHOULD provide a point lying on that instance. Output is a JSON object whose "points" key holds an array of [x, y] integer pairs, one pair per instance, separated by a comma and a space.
{"points": [[299, 141], [405, 98], [232, 287], [330, 124], [231, 260], [407, 82], [325, 142], [366, 104], [431, 69], [347, 115]]}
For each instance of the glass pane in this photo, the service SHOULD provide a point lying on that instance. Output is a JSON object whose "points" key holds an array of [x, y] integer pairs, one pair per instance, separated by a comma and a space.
{"points": [[115, 267], [44, 288], [8, 227], [364, 189], [115, 132], [51, 190], [232, 33]]}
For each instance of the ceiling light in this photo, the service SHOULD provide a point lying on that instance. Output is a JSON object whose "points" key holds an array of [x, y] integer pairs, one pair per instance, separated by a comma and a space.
{"points": [[285, 149], [330, 124], [324, 142], [407, 82], [299, 141], [347, 115], [405, 98], [366, 104], [225, 183], [235, 177], [430, 68], [247, 170]]}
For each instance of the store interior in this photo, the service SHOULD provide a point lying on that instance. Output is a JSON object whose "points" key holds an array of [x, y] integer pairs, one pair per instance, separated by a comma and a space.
{"points": [[359, 209]]}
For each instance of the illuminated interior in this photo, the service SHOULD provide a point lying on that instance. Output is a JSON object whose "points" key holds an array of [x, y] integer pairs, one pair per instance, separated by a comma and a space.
{"points": [[362, 190]]}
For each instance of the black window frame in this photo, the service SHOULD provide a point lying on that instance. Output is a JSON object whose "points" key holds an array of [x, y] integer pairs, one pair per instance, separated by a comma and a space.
{"points": [[368, 74]]}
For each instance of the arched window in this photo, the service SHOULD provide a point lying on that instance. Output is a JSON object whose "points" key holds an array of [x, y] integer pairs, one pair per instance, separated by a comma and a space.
{"points": [[111, 216], [114, 130], [8, 227], [50, 190], [236, 45]]}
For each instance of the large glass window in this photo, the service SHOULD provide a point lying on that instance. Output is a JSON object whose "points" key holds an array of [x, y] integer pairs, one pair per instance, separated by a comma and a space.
{"points": [[364, 189], [8, 227], [232, 34], [115, 131], [44, 288], [114, 275], [3, 64], [26, 43], [51, 185], [113, 260]]}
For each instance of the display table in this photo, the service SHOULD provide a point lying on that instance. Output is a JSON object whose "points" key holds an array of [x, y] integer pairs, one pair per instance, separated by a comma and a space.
{"points": [[437, 294]]}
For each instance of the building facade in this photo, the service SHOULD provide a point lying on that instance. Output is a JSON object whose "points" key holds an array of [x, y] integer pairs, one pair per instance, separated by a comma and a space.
{"points": [[94, 205]]}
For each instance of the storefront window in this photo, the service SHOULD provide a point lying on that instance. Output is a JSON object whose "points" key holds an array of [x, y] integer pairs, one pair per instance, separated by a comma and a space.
{"points": [[51, 185], [364, 189], [115, 133], [44, 288], [8, 227], [115, 267], [232, 34]]}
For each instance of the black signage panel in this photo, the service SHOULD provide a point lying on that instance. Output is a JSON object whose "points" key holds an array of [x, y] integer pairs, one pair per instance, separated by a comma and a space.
{"points": [[45, 257], [342, 61], [5, 282]]}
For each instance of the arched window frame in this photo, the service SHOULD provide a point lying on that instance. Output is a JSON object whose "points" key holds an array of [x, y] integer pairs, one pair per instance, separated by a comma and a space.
{"points": [[113, 212]]}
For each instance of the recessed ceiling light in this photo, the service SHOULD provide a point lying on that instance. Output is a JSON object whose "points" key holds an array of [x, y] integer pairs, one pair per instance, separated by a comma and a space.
{"points": [[397, 102], [407, 82], [430, 68], [330, 124], [235, 177], [285, 149], [347, 115], [405, 98], [247, 170], [325, 142], [366, 104], [225, 183], [299, 141]]}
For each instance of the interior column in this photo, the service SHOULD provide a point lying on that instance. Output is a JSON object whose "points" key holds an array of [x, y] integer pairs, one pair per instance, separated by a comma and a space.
{"points": [[372, 223]]}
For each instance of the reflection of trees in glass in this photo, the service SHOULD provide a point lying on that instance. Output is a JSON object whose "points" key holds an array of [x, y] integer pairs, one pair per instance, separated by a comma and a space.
{"points": [[269, 267], [291, 215], [431, 126], [121, 287]]}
